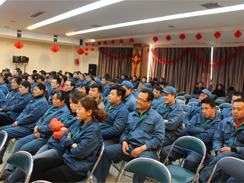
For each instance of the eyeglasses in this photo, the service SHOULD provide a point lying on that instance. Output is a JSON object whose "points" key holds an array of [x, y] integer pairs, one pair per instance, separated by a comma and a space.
{"points": [[139, 99]]}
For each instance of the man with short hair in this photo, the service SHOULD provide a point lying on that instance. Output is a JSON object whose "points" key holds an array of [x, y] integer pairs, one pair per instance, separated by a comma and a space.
{"points": [[227, 142], [198, 88], [142, 137], [134, 82], [48, 84], [226, 113], [106, 88], [95, 93], [40, 79], [75, 76], [81, 81], [230, 93], [122, 78], [142, 84], [157, 97], [96, 80], [55, 84], [69, 88], [130, 100], [173, 116], [89, 79]]}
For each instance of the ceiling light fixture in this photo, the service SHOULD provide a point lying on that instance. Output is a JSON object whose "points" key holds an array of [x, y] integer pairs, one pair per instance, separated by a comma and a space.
{"points": [[165, 18], [78, 11], [2, 1]]}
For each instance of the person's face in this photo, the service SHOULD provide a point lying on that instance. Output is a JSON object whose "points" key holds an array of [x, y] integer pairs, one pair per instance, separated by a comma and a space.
{"points": [[202, 96], [144, 80], [208, 111], [37, 91], [83, 89], [23, 90], [68, 86], [113, 97], [238, 110], [141, 101], [103, 81], [73, 106], [75, 75], [134, 79], [49, 80], [14, 84], [200, 85], [57, 102], [93, 92], [156, 93], [122, 77], [219, 87], [128, 91], [81, 77], [168, 98], [30, 80], [88, 79], [234, 98], [4, 72], [40, 73], [15, 73], [54, 84], [161, 80], [1, 80], [81, 112]]}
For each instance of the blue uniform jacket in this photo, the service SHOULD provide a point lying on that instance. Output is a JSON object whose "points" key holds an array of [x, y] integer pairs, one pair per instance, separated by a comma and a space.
{"points": [[175, 115], [82, 158], [116, 121], [148, 129], [203, 129], [4, 89], [2, 99], [156, 102], [135, 93], [43, 124], [32, 86], [15, 104], [48, 87], [80, 82], [135, 84], [106, 90], [194, 109], [225, 113], [130, 103], [67, 119], [35, 108], [50, 102], [227, 135]]}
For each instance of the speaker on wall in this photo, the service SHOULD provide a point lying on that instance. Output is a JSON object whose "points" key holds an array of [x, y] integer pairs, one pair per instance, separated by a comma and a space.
{"points": [[18, 33], [16, 59], [20, 59], [92, 69], [55, 38], [81, 42], [24, 59]]}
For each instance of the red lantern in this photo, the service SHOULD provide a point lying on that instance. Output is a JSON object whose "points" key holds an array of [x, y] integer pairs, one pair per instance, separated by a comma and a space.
{"points": [[112, 41], [198, 37], [237, 34], [86, 53], [104, 42], [92, 49], [121, 41], [217, 35], [18, 45], [87, 44], [168, 38], [155, 39], [131, 40], [77, 62], [182, 37], [86, 49], [55, 49], [92, 43], [80, 51], [99, 43]]}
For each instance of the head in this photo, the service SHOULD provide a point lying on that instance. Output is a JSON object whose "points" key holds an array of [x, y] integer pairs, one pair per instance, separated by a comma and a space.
{"points": [[169, 95], [134, 78], [238, 109], [56, 82], [59, 98], [219, 87], [85, 89], [31, 79], [88, 78], [95, 91], [1, 79], [200, 84], [39, 89], [88, 109], [155, 80], [103, 81], [96, 80], [64, 79], [204, 94], [34, 71], [81, 76], [208, 107], [144, 99], [144, 79], [75, 74], [69, 85], [122, 76], [114, 82], [15, 72], [231, 89], [16, 82], [25, 76], [49, 79], [6, 70], [40, 79], [161, 80], [117, 95], [158, 90], [235, 96], [24, 87], [128, 87], [74, 99]]}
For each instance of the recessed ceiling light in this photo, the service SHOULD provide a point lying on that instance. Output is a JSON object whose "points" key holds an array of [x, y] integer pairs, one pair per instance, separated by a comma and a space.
{"points": [[164, 18], [171, 26], [78, 11], [2, 1]]}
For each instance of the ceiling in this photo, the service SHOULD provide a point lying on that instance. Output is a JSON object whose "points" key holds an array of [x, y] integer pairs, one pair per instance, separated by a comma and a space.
{"points": [[16, 16]]}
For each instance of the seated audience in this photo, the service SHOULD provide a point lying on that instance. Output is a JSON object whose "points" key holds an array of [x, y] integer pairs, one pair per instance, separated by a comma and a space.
{"points": [[63, 81], [55, 84], [219, 91], [230, 93], [3, 86], [32, 82], [95, 93], [134, 82], [81, 81], [157, 97], [89, 79], [2, 99], [106, 87], [142, 84], [198, 88], [85, 89]]}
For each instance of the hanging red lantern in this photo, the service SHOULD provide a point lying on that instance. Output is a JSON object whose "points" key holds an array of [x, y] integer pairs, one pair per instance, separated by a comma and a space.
{"points": [[80, 51], [92, 43], [99, 43], [86, 53], [238, 34], [87, 44], [55, 48], [155, 39], [217, 35], [112, 41], [131, 40], [92, 49], [198, 37], [121, 41], [86, 49], [182, 37], [18, 45], [104, 42], [168, 38]]}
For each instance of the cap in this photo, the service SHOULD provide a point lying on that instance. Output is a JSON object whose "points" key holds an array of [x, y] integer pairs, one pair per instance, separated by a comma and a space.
{"points": [[97, 80], [207, 92], [170, 89], [127, 83], [148, 85], [7, 69]]}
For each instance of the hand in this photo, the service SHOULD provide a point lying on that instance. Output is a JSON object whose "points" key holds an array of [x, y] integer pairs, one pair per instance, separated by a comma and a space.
{"points": [[37, 135], [166, 120], [63, 128], [69, 136], [136, 152], [223, 149], [125, 148], [1, 109], [35, 129], [15, 124], [74, 145]]}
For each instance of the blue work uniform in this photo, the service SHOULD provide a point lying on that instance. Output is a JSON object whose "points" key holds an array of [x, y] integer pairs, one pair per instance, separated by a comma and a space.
{"points": [[194, 109], [4, 89], [130, 103], [48, 87], [173, 128], [135, 85], [156, 102], [80, 82], [50, 102], [2, 99], [106, 90], [226, 135], [135, 93], [141, 129], [32, 86], [225, 113]]}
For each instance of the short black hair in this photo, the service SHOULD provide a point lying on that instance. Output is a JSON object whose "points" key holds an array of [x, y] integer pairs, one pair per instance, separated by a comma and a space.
{"points": [[155, 79], [135, 76], [49, 77], [87, 87], [57, 78], [145, 77], [120, 91], [239, 100], [34, 71], [231, 88], [237, 94], [17, 79], [159, 88], [40, 77], [61, 95], [98, 86], [209, 101], [149, 92], [114, 81], [72, 82]]}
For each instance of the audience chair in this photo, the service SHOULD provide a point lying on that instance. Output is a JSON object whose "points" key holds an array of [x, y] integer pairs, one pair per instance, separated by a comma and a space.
{"points": [[182, 93], [231, 166], [214, 96], [3, 138], [185, 107], [180, 174], [195, 96], [219, 101], [194, 100], [150, 168], [181, 98], [187, 96], [225, 105], [223, 98], [191, 103]]}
